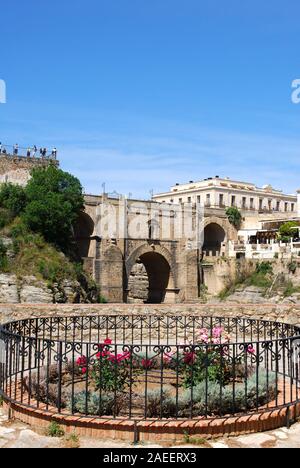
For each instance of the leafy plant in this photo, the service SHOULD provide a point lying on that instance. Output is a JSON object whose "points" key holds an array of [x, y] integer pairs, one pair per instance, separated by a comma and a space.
{"points": [[54, 201], [264, 268], [3, 257], [111, 371], [287, 231], [13, 198], [72, 441], [92, 403], [55, 430], [234, 216], [292, 267]]}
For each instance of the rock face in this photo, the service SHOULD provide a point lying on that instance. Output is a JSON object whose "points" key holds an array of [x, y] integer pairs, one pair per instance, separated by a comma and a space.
{"points": [[249, 295], [9, 289], [35, 292], [30, 290], [138, 284]]}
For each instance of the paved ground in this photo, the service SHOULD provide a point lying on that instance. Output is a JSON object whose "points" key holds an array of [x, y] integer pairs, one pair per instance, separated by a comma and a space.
{"points": [[18, 435]]}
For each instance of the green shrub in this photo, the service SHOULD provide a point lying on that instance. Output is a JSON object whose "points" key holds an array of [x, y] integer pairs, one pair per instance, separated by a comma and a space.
{"points": [[264, 268], [54, 202], [292, 267], [287, 231], [234, 216], [211, 398], [55, 430], [3, 257], [13, 198], [5, 217], [91, 403]]}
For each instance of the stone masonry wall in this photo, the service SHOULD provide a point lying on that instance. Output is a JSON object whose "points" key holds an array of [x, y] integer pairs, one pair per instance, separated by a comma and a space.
{"points": [[16, 169], [283, 312]]}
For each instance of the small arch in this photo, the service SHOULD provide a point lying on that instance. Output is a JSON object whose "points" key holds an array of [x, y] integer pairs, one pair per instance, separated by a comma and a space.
{"points": [[83, 231], [214, 237]]}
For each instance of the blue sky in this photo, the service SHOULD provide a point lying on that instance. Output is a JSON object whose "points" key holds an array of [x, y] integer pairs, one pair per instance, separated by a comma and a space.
{"points": [[142, 94]]}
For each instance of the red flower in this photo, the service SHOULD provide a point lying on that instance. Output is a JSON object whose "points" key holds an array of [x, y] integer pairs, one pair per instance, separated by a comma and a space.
{"points": [[189, 358], [147, 363], [84, 370], [107, 341], [81, 361]]}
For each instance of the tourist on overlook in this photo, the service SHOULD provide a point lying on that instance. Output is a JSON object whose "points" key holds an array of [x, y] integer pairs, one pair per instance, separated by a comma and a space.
{"points": [[44, 153], [16, 149], [34, 151], [54, 153], [41, 152], [28, 152]]}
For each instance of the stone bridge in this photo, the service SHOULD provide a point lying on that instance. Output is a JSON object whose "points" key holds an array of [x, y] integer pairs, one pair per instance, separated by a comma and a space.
{"points": [[149, 267]]}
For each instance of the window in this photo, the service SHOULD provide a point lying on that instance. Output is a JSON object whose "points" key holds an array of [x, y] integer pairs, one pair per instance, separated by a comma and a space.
{"points": [[270, 205], [244, 202], [189, 200], [221, 199], [207, 199], [286, 206], [251, 203], [293, 207], [233, 200], [198, 199], [278, 206], [180, 200], [261, 203]]}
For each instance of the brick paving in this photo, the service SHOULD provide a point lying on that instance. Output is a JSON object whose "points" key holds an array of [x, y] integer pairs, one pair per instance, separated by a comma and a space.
{"points": [[14, 434]]}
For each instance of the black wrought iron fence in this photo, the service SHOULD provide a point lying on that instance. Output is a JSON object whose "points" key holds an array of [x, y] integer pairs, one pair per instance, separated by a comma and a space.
{"points": [[144, 367]]}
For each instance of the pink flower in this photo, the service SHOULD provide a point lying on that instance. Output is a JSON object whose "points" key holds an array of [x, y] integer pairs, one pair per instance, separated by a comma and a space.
{"points": [[217, 332], [250, 349], [168, 358], [216, 341], [81, 361]]}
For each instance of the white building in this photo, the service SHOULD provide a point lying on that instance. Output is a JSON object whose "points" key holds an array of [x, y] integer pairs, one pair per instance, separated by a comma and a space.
{"points": [[216, 192]]}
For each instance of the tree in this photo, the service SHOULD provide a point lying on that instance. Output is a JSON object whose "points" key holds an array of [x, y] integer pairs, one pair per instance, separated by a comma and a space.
{"points": [[234, 216], [12, 198], [54, 201], [288, 230]]}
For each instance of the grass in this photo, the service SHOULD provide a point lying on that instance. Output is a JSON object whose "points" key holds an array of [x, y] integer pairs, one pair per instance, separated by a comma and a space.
{"points": [[72, 441], [194, 440], [290, 289], [55, 430], [261, 278]]}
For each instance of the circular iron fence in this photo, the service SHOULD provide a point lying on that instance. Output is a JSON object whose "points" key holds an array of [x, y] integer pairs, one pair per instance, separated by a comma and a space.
{"points": [[150, 367]]}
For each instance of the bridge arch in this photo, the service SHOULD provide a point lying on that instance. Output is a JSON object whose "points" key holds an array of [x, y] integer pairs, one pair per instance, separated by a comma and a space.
{"points": [[158, 266], [84, 230]]}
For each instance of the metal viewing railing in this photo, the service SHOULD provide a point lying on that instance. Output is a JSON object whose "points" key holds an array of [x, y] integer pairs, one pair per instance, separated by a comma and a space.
{"points": [[29, 152], [145, 367]]}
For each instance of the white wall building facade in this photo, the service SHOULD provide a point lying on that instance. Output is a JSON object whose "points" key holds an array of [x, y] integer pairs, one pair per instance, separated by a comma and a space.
{"points": [[216, 192]]}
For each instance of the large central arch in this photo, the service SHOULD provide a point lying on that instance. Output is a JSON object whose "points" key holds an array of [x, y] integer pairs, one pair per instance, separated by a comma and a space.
{"points": [[159, 273]]}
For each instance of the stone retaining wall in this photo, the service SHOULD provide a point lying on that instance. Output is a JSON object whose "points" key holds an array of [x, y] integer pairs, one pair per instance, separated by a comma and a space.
{"points": [[289, 313]]}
